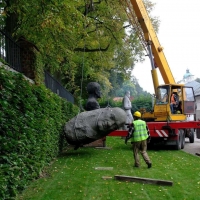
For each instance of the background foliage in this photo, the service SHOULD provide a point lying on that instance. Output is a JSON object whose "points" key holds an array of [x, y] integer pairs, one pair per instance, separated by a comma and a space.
{"points": [[79, 40], [142, 102], [31, 124]]}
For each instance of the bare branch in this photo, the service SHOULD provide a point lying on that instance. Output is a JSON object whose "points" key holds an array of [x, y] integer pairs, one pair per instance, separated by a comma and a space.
{"points": [[91, 50]]}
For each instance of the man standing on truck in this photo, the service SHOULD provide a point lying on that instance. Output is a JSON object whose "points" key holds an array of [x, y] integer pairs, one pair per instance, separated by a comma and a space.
{"points": [[139, 137]]}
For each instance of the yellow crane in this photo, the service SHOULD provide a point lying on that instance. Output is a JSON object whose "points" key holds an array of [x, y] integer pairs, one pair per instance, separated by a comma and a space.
{"points": [[185, 101], [167, 121]]}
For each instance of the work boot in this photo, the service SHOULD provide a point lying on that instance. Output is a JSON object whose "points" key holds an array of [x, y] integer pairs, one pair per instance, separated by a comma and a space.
{"points": [[149, 165]]}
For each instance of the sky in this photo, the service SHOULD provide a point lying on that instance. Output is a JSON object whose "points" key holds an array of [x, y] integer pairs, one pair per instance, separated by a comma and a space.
{"points": [[179, 35]]}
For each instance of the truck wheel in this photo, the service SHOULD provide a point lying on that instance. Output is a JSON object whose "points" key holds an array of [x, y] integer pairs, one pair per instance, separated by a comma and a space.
{"points": [[191, 135], [178, 141], [183, 139]]}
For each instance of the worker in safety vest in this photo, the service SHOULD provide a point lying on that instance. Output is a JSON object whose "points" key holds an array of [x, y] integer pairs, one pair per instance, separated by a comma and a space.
{"points": [[139, 137], [173, 102]]}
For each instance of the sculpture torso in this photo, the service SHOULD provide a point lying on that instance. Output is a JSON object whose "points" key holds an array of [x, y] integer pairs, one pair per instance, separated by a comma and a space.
{"points": [[92, 104]]}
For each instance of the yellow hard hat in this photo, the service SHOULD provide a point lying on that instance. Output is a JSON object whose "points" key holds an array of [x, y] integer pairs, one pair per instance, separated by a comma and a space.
{"points": [[137, 114]]}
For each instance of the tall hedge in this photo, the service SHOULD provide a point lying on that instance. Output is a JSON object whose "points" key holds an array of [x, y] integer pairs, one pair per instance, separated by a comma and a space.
{"points": [[31, 124]]}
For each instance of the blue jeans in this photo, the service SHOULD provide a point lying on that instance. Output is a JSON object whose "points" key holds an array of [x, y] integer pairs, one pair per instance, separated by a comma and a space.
{"points": [[172, 108]]}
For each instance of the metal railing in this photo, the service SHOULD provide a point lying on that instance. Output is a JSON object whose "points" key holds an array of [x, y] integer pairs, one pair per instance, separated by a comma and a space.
{"points": [[10, 51], [57, 88]]}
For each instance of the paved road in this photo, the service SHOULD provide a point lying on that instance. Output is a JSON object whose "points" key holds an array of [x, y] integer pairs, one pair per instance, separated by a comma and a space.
{"points": [[192, 148]]}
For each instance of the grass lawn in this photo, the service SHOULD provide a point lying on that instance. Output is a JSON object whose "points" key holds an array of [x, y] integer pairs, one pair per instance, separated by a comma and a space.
{"points": [[73, 176]]}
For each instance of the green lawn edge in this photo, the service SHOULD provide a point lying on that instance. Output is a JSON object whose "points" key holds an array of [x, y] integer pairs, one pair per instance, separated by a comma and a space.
{"points": [[73, 176]]}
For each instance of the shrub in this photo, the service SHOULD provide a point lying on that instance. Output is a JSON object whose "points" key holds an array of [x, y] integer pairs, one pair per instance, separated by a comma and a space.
{"points": [[31, 124]]}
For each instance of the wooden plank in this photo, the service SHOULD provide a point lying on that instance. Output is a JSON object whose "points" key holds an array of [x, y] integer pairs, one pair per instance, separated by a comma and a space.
{"points": [[198, 154], [106, 177], [143, 180], [103, 168]]}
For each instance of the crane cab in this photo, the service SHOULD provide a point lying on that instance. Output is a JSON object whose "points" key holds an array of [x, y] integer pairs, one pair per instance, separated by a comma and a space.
{"points": [[173, 102]]}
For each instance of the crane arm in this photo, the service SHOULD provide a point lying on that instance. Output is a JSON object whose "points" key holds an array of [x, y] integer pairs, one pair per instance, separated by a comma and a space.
{"points": [[150, 38]]}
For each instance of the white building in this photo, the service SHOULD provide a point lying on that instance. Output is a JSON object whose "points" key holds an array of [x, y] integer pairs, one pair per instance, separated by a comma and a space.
{"points": [[187, 77], [188, 80]]}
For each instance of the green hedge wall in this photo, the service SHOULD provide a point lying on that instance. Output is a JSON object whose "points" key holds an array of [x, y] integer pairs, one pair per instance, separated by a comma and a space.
{"points": [[31, 124]]}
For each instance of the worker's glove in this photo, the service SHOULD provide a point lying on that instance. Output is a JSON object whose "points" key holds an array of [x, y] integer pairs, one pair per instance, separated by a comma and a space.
{"points": [[149, 139]]}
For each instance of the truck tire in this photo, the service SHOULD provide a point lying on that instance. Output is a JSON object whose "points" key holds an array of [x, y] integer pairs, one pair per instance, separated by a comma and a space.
{"points": [[178, 141], [183, 139], [191, 135]]}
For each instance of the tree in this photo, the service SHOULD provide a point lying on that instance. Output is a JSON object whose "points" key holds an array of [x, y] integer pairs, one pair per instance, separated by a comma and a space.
{"points": [[142, 102], [79, 41]]}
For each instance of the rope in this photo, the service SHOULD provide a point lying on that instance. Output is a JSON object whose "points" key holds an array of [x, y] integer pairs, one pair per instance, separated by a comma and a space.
{"points": [[83, 61], [82, 70], [101, 57]]}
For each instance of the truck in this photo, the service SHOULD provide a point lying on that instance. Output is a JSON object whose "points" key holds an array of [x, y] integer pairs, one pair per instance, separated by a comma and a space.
{"points": [[167, 123]]}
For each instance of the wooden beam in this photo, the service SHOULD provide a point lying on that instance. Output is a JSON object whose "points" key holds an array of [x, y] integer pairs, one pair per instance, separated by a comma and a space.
{"points": [[198, 154], [106, 177], [143, 180], [103, 168]]}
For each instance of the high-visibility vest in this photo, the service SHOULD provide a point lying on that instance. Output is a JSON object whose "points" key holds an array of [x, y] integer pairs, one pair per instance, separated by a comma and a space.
{"points": [[140, 131], [173, 100]]}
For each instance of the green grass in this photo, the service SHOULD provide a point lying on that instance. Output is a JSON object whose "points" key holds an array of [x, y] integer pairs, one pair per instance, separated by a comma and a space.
{"points": [[72, 176]]}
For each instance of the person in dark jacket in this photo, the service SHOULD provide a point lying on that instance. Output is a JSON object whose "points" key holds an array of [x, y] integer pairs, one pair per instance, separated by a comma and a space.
{"points": [[139, 134]]}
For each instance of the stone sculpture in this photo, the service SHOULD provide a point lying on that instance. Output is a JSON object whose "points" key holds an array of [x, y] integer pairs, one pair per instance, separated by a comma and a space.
{"points": [[127, 107], [94, 92], [89, 126]]}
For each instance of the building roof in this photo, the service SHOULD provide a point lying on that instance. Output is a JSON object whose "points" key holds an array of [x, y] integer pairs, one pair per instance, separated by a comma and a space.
{"points": [[196, 87]]}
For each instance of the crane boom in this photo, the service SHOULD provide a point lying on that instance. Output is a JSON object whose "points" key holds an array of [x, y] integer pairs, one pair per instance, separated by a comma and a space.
{"points": [[151, 39]]}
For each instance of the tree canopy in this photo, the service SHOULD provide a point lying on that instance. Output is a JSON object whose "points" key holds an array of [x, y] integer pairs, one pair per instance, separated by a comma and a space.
{"points": [[80, 41]]}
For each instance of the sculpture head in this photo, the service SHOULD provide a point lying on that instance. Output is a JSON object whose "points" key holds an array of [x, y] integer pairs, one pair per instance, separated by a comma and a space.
{"points": [[93, 88], [92, 125], [127, 93], [110, 119]]}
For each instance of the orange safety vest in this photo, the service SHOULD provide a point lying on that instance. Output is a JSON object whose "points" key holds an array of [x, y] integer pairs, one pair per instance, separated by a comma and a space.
{"points": [[173, 101]]}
